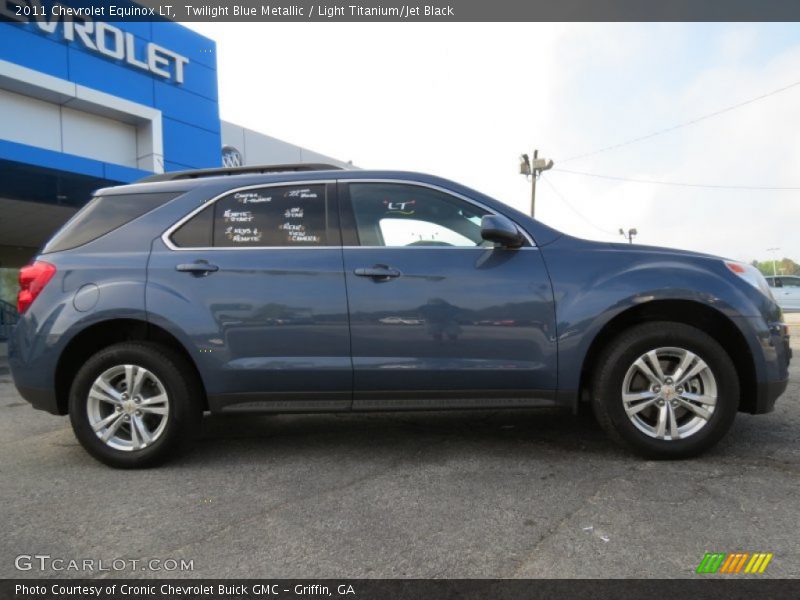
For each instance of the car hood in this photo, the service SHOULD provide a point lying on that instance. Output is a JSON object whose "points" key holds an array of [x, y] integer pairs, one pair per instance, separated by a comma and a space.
{"points": [[643, 249]]}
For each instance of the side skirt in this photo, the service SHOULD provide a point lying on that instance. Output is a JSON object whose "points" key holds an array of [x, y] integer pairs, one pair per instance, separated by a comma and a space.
{"points": [[376, 401]]}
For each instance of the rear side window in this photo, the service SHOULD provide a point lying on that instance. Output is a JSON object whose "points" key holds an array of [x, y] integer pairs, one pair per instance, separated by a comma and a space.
{"points": [[275, 216], [102, 215]]}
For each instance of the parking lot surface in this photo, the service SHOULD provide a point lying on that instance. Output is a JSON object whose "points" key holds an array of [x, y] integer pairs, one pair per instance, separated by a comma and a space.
{"points": [[467, 494]]}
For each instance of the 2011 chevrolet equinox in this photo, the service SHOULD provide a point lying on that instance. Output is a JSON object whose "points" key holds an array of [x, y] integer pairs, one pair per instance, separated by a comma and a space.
{"points": [[314, 290]]}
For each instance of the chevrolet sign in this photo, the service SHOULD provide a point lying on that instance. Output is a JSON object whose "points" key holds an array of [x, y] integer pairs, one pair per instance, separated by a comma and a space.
{"points": [[97, 36]]}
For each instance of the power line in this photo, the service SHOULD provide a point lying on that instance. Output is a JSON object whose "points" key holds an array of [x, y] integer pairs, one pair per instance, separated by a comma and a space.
{"points": [[762, 188], [575, 210], [681, 125]]}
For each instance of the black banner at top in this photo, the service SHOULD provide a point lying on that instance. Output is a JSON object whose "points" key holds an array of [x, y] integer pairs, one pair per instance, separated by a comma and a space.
{"points": [[403, 11]]}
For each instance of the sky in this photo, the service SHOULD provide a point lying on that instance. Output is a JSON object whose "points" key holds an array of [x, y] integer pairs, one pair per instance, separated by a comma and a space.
{"points": [[464, 100]]}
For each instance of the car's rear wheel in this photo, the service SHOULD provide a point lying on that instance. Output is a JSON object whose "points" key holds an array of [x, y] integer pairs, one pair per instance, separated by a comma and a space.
{"points": [[134, 404], [667, 390]]}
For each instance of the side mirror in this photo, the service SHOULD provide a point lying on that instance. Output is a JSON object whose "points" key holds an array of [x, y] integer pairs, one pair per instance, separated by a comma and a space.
{"points": [[500, 230]]}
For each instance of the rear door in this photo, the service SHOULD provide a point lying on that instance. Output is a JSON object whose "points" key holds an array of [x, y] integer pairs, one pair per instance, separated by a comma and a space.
{"points": [[438, 317], [254, 280]]}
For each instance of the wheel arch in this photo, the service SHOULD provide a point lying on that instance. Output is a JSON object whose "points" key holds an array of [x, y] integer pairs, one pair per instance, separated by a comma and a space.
{"points": [[103, 334], [689, 312]]}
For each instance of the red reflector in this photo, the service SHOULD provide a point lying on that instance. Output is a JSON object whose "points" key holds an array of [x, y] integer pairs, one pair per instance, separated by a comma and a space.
{"points": [[32, 279], [735, 267]]}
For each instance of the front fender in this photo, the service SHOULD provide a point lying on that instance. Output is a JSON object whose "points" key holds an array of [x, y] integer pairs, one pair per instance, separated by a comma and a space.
{"points": [[594, 283]]}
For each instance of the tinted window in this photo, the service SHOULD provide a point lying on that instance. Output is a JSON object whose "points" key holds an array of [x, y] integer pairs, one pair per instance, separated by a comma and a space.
{"points": [[196, 232], [102, 215], [791, 281], [271, 216], [394, 214]]}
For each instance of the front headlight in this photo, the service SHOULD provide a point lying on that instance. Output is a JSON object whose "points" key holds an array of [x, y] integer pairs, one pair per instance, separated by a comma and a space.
{"points": [[751, 275]]}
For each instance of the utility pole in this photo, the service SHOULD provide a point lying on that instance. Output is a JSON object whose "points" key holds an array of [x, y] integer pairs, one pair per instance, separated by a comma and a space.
{"points": [[533, 184], [774, 260], [629, 235], [533, 168]]}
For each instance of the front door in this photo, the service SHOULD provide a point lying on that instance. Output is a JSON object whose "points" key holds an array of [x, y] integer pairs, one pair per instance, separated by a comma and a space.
{"points": [[438, 317]]}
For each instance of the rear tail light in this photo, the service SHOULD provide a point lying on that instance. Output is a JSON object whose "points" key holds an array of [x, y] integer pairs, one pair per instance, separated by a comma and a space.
{"points": [[32, 279]]}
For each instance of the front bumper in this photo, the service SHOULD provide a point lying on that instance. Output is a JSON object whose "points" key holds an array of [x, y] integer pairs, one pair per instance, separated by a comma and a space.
{"points": [[777, 353], [768, 394]]}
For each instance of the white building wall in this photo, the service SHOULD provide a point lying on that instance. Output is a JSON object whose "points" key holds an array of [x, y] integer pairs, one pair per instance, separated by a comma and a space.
{"points": [[259, 149], [97, 137], [43, 124], [26, 120], [55, 114]]}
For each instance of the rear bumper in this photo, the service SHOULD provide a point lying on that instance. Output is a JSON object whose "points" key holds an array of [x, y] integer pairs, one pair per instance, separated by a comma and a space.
{"points": [[32, 368], [40, 399]]}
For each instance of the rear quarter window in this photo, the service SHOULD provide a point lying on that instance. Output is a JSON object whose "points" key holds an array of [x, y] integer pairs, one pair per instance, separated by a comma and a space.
{"points": [[102, 215]]}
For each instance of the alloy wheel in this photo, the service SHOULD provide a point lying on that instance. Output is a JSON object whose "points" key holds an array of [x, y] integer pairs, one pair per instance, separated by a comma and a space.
{"points": [[669, 393], [128, 407]]}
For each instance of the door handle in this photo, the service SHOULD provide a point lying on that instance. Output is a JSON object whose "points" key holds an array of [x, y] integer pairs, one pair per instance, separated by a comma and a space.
{"points": [[377, 272], [199, 268]]}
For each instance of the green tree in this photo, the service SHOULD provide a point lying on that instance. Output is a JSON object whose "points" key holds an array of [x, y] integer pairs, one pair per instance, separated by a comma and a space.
{"points": [[784, 266], [8, 285]]}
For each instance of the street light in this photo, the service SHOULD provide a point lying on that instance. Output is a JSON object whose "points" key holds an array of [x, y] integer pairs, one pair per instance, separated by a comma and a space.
{"points": [[533, 168], [524, 165], [774, 260], [628, 236]]}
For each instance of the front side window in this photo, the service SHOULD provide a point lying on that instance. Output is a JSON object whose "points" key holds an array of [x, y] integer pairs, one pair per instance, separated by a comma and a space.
{"points": [[398, 215], [276, 216]]}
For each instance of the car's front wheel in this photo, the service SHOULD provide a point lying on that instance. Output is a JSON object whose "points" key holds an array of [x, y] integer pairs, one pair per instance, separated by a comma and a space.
{"points": [[668, 390], [134, 404]]}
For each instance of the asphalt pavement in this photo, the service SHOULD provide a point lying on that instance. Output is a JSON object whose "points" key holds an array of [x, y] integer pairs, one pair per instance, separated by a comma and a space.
{"points": [[466, 494]]}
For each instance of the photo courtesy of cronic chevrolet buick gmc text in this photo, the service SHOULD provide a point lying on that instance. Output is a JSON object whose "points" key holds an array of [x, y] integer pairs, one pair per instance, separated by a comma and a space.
{"points": [[304, 288]]}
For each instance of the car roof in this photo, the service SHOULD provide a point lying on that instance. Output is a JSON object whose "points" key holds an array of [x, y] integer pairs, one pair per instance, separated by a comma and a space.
{"points": [[219, 183], [241, 170]]}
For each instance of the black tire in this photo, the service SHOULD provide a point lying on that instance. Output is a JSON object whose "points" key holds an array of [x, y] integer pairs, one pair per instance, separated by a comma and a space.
{"points": [[609, 377], [179, 380]]}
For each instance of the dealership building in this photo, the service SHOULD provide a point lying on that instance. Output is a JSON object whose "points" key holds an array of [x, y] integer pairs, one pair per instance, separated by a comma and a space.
{"points": [[89, 104]]}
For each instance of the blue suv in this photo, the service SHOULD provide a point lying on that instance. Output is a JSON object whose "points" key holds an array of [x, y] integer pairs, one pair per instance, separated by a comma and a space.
{"points": [[309, 289]]}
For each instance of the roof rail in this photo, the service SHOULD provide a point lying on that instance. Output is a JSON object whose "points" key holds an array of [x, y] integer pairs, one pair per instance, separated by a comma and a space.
{"points": [[256, 169]]}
